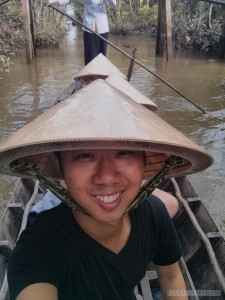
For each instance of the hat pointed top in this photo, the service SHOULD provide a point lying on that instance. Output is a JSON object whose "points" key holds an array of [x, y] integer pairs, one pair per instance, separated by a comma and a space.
{"points": [[99, 66], [124, 86]]}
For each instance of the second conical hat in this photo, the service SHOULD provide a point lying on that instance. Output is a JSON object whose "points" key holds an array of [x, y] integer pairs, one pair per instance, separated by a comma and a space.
{"points": [[99, 66], [100, 117], [124, 86]]}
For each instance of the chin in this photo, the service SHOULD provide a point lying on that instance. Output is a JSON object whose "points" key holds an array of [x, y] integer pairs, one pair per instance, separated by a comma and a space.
{"points": [[110, 217]]}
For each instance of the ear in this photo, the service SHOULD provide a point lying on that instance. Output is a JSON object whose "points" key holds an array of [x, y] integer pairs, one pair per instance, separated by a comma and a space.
{"points": [[63, 184]]}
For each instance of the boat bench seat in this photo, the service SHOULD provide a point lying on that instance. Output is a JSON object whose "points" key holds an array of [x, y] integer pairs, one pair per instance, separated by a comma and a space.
{"points": [[213, 235], [144, 286], [6, 248], [16, 210]]}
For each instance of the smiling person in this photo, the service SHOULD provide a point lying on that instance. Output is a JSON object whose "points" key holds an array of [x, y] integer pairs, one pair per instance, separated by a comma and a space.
{"points": [[98, 243]]}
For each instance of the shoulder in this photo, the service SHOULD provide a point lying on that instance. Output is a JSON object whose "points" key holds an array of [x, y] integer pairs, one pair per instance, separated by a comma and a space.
{"points": [[52, 216], [168, 248], [39, 248], [47, 226], [158, 232], [155, 217], [154, 205], [152, 215], [171, 202]]}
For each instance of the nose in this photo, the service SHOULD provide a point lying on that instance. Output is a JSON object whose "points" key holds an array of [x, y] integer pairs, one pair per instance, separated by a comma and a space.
{"points": [[107, 172]]}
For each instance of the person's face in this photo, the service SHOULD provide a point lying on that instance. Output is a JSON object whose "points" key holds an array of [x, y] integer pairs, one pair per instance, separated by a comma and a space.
{"points": [[103, 182]]}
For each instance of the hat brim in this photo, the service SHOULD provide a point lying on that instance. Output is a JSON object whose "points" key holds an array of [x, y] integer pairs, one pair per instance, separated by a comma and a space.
{"points": [[101, 117], [44, 157]]}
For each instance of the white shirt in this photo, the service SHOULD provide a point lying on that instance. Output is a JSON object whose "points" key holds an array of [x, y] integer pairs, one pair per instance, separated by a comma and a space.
{"points": [[95, 15], [49, 200]]}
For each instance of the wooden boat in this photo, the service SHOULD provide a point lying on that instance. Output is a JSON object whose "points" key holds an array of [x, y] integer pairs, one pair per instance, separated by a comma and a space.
{"points": [[203, 261], [12, 222]]}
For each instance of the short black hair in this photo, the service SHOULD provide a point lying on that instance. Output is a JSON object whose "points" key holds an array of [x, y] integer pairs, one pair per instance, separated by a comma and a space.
{"points": [[58, 155]]}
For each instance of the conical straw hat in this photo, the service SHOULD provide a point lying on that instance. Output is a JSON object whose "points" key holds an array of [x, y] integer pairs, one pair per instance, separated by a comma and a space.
{"points": [[124, 86], [100, 66], [101, 117]]}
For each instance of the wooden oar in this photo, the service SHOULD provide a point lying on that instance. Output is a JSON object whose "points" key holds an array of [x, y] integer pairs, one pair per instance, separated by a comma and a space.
{"points": [[131, 66], [4, 2], [127, 55]]}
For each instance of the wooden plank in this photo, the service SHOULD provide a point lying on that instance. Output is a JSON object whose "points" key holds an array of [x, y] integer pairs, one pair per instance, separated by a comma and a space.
{"points": [[145, 288], [152, 275], [16, 209], [188, 280], [193, 199], [194, 203], [207, 246], [4, 292], [6, 248], [214, 235], [193, 250]]}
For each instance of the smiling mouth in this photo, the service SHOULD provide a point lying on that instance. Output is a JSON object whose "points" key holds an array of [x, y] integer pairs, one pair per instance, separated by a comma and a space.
{"points": [[108, 198]]}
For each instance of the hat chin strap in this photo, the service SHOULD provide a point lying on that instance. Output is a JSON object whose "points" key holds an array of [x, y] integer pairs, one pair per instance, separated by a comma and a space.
{"points": [[32, 169], [154, 181]]}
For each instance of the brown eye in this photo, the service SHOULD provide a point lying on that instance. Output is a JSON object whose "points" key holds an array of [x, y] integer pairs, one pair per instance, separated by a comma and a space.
{"points": [[84, 156], [125, 153]]}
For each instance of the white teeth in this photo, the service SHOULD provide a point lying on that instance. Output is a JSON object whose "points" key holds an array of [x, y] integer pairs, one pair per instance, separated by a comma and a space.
{"points": [[109, 198]]}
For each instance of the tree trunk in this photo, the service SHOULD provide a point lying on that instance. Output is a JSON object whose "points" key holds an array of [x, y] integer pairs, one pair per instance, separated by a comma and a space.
{"points": [[222, 38], [160, 38], [169, 45], [131, 8], [27, 30], [210, 16], [164, 29]]}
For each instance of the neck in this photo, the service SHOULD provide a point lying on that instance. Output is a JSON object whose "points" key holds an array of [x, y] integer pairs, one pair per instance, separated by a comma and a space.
{"points": [[112, 236]]}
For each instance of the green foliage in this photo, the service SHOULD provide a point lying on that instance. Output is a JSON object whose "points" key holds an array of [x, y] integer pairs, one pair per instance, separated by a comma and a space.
{"points": [[146, 18], [10, 33], [78, 6], [149, 14], [11, 25], [49, 29], [49, 38], [194, 28], [5, 61]]}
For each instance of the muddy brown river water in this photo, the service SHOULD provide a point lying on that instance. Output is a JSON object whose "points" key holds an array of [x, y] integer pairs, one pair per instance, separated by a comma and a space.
{"points": [[28, 90]]}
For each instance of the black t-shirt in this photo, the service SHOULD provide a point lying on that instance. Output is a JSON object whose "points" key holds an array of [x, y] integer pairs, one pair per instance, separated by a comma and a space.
{"points": [[56, 250]]}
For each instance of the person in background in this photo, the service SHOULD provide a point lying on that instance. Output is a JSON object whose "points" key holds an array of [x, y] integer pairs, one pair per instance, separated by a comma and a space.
{"points": [[95, 18], [48, 201]]}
